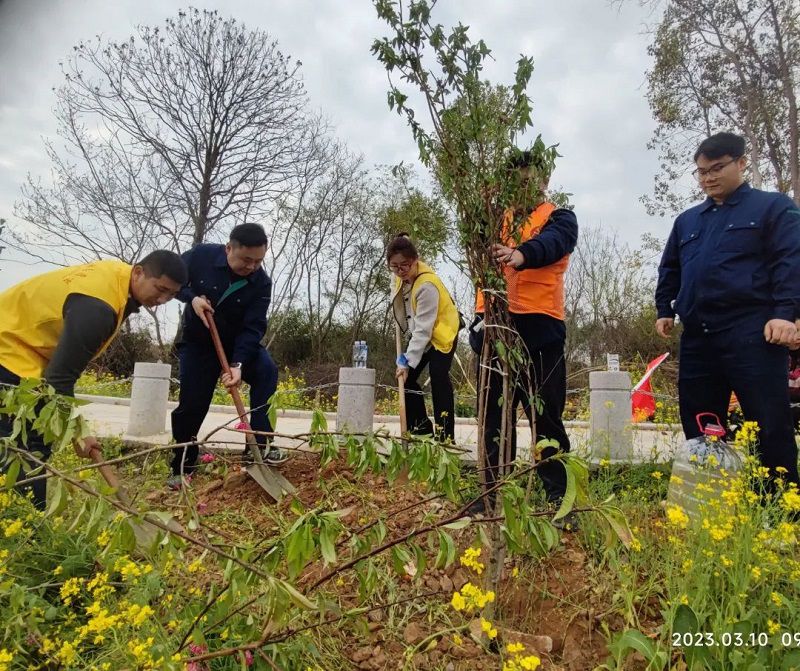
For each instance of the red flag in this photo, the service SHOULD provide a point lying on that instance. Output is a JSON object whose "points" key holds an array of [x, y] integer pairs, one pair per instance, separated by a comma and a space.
{"points": [[643, 405]]}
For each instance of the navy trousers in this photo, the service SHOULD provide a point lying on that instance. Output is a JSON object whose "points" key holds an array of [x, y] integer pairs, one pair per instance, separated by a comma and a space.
{"points": [[547, 377], [38, 488], [199, 372], [740, 360]]}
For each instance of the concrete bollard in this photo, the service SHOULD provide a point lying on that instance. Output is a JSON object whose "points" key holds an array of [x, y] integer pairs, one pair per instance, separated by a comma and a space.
{"points": [[610, 432], [149, 396], [356, 405]]}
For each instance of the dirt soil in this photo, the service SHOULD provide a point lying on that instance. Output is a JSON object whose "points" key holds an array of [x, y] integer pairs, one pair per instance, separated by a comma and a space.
{"points": [[551, 607]]}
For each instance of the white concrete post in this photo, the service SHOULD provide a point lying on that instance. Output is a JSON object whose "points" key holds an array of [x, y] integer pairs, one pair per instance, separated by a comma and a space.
{"points": [[356, 405], [149, 396], [610, 432]]}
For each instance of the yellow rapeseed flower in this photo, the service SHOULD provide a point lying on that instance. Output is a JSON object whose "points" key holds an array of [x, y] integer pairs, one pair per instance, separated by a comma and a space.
{"points": [[470, 560], [657, 475], [791, 500], [70, 588], [514, 648], [13, 528], [5, 658], [488, 629], [776, 599], [67, 654], [676, 517], [773, 627]]}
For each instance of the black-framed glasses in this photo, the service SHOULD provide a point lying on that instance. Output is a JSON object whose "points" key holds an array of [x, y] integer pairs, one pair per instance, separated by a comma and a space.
{"points": [[400, 267], [714, 170]]}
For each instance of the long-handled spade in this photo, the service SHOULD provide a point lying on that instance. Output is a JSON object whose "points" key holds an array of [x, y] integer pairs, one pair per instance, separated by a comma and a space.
{"points": [[402, 477], [401, 385], [271, 481], [146, 533]]}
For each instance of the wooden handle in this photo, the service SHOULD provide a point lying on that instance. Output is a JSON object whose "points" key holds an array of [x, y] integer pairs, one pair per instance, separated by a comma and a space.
{"points": [[401, 385], [110, 476], [223, 361]]}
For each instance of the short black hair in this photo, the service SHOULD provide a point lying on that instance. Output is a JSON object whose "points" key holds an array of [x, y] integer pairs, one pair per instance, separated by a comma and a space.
{"points": [[249, 235], [401, 244], [519, 159], [721, 144], [164, 262]]}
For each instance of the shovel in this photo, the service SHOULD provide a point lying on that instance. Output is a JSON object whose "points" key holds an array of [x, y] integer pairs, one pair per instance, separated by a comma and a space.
{"points": [[401, 385], [402, 476], [146, 534], [272, 482]]}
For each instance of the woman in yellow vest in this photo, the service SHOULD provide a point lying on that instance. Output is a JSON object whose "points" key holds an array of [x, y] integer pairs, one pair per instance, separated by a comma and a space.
{"points": [[424, 309]]}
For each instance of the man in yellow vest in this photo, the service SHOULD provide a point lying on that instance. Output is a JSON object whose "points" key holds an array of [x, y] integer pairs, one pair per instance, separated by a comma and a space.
{"points": [[534, 272], [54, 324]]}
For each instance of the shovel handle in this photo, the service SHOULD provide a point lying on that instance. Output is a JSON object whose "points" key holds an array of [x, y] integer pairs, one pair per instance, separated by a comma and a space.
{"points": [[223, 360], [401, 385], [250, 438], [110, 476]]}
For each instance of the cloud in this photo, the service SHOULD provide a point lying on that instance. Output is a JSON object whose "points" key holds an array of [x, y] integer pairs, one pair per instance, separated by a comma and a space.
{"points": [[587, 87]]}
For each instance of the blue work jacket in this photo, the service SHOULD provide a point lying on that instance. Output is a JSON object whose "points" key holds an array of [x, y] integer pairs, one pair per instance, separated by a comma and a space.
{"points": [[732, 265], [241, 316]]}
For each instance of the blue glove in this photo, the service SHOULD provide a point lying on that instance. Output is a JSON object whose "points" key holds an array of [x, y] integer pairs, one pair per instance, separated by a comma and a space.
{"points": [[402, 361]]}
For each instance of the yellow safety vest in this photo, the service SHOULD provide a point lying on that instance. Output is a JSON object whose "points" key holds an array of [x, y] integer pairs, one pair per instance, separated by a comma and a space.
{"points": [[445, 329], [31, 312]]}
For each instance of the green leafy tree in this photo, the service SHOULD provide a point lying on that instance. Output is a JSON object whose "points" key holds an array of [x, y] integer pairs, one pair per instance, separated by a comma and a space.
{"points": [[725, 65]]}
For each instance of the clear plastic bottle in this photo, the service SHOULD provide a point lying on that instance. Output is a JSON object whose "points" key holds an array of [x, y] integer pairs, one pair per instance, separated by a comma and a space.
{"points": [[707, 461], [360, 354]]}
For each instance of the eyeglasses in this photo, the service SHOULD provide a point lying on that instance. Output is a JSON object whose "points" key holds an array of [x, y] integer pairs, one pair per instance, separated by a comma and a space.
{"points": [[713, 171], [400, 267]]}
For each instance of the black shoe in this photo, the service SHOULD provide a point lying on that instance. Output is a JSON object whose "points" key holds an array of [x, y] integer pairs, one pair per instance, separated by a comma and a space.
{"points": [[476, 508], [567, 523], [276, 456]]}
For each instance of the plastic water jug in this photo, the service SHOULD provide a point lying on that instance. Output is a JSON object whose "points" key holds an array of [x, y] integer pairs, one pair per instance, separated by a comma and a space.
{"points": [[707, 461]]}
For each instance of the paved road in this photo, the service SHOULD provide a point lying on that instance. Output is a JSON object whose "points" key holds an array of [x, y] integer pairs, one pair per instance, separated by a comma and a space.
{"points": [[109, 418]]}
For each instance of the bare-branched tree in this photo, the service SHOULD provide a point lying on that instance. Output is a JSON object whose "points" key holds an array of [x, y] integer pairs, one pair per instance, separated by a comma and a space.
{"points": [[165, 136], [725, 65]]}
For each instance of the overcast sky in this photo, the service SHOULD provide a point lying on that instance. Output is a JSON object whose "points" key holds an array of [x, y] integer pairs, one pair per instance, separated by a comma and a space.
{"points": [[588, 85]]}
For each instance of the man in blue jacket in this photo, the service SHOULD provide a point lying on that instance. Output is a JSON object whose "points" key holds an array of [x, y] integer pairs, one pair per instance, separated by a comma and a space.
{"points": [[731, 271], [228, 281]]}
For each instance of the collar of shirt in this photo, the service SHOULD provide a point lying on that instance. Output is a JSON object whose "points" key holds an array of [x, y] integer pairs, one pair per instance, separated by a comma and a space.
{"points": [[734, 199], [132, 306]]}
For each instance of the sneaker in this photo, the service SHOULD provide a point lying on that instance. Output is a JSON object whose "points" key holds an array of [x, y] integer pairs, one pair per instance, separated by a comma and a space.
{"points": [[276, 456], [175, 482]]}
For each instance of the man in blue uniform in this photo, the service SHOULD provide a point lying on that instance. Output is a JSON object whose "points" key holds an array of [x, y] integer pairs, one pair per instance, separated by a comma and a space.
{"points": [[731, 271], [228, 281]]}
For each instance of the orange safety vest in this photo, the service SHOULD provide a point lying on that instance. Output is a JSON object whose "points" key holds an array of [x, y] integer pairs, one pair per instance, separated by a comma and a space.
{"points": [[535, 290]]}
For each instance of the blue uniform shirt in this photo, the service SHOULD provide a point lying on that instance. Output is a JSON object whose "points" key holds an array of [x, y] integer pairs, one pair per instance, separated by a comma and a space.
{"points": [[241, 317], [735, 264]]}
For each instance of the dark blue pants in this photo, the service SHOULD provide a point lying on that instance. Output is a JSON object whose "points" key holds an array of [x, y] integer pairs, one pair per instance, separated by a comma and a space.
{"points": [[547, 378], [37, 489], [199, 372], [444, 410], [740, 360]]}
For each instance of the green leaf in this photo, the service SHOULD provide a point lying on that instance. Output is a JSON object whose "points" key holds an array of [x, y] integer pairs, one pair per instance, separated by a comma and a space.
{"points": [[568, 501], [327, 547], [297, 599], [458, 524], [58, 499], [685, 620], [13, 472], [127, 537], [616, 520], [632, 640]]}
